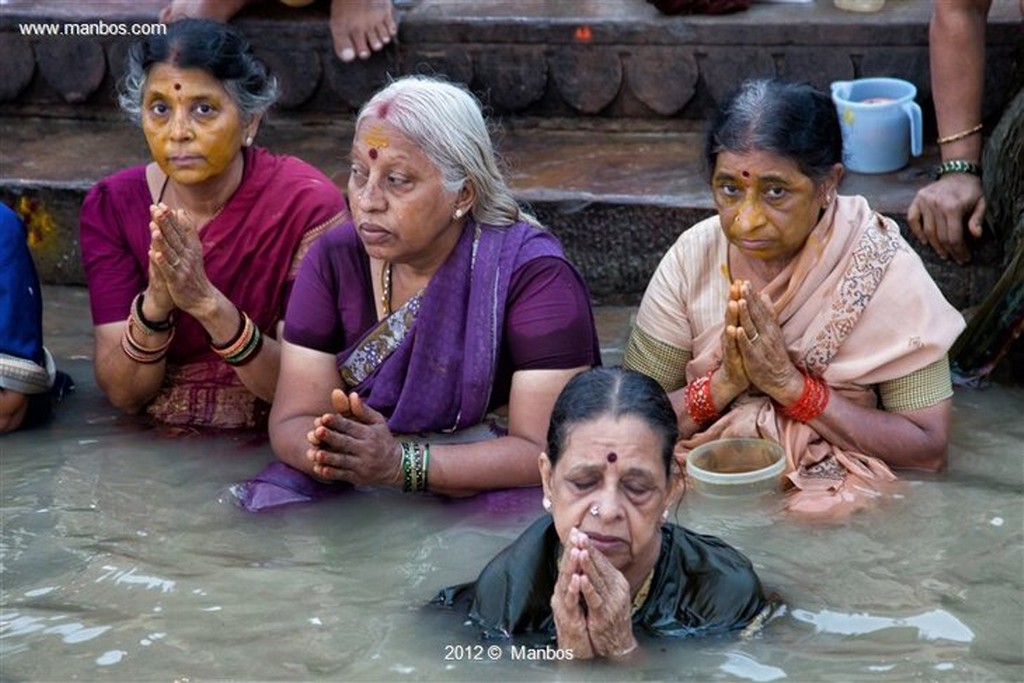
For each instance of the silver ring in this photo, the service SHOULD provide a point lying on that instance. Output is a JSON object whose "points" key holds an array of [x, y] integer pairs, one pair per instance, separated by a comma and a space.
{"points": [[177, 262], [595, 510], [757, 335]]}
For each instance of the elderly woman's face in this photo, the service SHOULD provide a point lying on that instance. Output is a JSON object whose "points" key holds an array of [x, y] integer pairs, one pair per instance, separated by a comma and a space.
{"points": [[193, 127], [400, 207], [610, 483], [766, 205]]}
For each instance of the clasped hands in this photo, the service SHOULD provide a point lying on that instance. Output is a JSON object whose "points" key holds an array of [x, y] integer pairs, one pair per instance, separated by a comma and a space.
{"points": [[592, 603], [177, 275], [354, 444], [754, 349]]}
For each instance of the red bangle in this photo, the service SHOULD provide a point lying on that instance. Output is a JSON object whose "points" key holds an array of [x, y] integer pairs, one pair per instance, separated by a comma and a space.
{"points": [[698, 400], [812, 401]]}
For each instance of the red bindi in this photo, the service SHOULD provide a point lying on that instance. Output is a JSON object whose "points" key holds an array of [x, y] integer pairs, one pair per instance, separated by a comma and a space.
{"points": [[746, 174], [612, 457], [373, 152], [177, 86]]}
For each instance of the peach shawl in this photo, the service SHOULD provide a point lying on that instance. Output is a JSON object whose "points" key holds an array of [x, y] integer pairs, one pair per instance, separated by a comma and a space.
{"points": [[856, 307]]}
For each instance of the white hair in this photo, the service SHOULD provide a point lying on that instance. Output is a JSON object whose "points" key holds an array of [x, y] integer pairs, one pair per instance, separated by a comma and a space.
{"points": [[445, 121]]}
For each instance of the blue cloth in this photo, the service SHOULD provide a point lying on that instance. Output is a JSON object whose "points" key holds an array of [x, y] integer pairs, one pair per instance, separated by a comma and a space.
{"points": [[21, 303]]}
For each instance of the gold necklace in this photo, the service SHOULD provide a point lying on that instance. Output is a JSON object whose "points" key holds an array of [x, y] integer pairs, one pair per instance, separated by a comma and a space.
{"points": [[199, 226], [385, 288], [641, 595]]}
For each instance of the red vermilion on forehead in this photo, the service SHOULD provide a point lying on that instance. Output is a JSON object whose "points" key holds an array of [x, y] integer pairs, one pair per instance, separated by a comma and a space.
{"points": [[612, 457]]}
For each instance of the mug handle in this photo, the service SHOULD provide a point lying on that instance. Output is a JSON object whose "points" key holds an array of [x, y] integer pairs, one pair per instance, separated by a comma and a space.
{"points": [[913, 112], [841, 89]]}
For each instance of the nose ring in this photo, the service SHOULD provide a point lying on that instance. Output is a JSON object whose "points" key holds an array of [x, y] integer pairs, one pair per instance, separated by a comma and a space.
{"points": [[595, 510]]}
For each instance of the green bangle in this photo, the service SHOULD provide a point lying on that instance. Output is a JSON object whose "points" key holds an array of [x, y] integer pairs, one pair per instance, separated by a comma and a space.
{"points": [[959, 166], [415, 460], [408, 453], [426, 463]]}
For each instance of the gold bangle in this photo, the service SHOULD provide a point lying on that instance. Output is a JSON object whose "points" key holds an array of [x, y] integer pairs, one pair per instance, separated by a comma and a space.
{"points": [[959, 136]]}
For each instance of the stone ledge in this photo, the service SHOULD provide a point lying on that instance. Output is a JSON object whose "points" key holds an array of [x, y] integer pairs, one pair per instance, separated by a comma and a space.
{"points": [[617, 199], [607, 58]]}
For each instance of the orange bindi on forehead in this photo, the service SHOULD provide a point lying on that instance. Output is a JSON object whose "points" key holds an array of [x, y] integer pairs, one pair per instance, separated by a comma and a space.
{"points": [[376, 139]]}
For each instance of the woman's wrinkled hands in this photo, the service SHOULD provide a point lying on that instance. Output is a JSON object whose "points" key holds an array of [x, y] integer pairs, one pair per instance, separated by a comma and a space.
{"points": [[939, 211], [732, 373], [176, 253], [568, 610], [763, 347], [606, 605], [354, 444]]}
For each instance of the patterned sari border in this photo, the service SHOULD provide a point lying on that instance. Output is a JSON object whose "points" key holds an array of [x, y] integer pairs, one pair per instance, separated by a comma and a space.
{"points": [[380, 343], [868, 263]]}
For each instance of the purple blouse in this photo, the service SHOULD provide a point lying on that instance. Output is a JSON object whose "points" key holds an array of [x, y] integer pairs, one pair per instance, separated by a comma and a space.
{"points": [[548, 322]]}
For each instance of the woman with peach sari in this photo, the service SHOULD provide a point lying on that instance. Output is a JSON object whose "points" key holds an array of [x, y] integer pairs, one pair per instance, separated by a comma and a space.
{"points": [[798, 315]]}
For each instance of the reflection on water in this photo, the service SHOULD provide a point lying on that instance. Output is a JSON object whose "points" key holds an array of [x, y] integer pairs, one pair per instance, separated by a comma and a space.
{"points": [[123, 559]]}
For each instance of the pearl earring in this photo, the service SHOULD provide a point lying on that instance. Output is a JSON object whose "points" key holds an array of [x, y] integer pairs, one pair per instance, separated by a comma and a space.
{"points": [[546, 504], [458, 214], [248, 141], [664, 515]]}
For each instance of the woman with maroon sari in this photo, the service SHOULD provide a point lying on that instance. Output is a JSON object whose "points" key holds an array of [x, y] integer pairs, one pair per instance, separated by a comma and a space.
{"points": [[190, 259], [441, 313]]}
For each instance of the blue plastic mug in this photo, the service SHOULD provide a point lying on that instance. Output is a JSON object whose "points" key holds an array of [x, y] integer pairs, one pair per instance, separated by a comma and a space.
{"points": [[881, 123]]}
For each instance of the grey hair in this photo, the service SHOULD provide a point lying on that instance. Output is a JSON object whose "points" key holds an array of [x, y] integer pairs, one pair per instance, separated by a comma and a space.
{"points": [[219, 49], [446, 122]]}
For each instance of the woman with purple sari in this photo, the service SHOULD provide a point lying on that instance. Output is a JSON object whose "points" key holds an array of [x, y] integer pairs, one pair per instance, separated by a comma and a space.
{"points": [[441, 313]]}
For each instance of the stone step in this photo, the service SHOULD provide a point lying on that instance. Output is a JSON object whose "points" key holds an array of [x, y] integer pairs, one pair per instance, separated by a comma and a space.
{"points": [[617, 196], [587, 58]]}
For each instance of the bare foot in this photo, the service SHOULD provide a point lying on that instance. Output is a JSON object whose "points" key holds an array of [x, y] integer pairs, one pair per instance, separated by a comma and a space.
{"points": [[360, 27], [218, 10]]}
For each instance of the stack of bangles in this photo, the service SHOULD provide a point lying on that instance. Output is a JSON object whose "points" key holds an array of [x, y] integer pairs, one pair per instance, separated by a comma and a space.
{"points": [[139, 353], [812, 401], [244, 346], [698, 401], [415, 462]]}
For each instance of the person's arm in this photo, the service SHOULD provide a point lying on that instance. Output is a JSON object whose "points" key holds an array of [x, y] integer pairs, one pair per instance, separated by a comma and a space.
{"points": [[915, 440], [128, 385], [303, 394], [509, 461], [957, 50], [13, 407]]}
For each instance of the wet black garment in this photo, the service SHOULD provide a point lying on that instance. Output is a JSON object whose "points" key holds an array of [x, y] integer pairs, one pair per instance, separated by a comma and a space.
{"points": [[701, 586]]}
